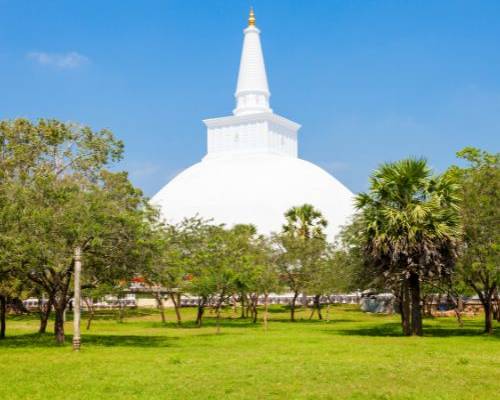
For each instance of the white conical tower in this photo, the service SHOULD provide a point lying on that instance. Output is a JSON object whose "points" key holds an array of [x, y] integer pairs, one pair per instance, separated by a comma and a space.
{"points": [[252, 92], [251, 173], [254, 128]]}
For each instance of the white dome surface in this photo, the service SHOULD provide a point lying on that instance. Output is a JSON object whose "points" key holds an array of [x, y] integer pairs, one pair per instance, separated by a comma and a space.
{"points": [[256, 189]]}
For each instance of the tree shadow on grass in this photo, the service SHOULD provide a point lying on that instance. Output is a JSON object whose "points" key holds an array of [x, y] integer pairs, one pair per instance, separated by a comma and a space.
{"points": [[35, 340], [210, 322], [393, 329], [311, 321]]}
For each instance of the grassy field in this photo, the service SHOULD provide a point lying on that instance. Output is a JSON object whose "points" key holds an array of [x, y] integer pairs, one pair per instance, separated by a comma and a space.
{"points": [[354, 356]]}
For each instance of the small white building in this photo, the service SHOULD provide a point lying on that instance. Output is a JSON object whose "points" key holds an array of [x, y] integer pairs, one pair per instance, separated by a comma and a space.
{"points": [[251, 172]]}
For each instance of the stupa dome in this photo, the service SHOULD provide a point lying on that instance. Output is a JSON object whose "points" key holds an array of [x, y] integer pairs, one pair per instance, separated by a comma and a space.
{"points": [[251, 173], [254, 188]]}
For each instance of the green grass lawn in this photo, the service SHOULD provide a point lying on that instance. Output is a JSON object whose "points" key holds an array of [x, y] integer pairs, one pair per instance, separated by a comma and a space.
{"points": [[354, 356]]}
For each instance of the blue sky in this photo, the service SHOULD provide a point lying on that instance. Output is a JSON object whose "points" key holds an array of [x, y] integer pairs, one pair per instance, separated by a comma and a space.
{"points": [[370, 81]]}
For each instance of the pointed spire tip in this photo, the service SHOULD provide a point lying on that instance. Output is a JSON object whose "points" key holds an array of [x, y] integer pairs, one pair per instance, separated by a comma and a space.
{"points": [[251, 18]]}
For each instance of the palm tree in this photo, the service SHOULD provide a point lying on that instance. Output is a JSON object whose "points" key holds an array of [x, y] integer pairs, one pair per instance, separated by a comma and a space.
{"points": [[304, 222], [411, 230]]}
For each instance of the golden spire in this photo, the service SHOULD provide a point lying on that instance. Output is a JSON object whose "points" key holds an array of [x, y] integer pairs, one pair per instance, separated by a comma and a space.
{"points": [[251, 18]]}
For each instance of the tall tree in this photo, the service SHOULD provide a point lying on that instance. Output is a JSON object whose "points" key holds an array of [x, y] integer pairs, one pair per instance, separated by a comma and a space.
{"points": [[411, 230], [479, 265], [177, 260], [330, 274], [305, 222], [65, 200], [302, 244]]}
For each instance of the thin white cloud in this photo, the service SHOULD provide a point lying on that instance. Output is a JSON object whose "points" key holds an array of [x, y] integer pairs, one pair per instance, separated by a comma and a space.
{"points": [[335, 166], [68, 60], [143, 170]]}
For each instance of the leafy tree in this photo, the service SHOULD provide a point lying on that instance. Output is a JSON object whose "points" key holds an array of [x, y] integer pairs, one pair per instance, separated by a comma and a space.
{"points": [[330, 274], [65, 200], [305, 222], [266, 277], [479, 265], [411, 230], [256, 270], [301, 244], [181, 246], [215, 277]]}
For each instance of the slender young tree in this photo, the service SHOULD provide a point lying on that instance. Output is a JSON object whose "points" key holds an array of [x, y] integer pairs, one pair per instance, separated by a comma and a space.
{"points": [[479, 265], [302, 244]]}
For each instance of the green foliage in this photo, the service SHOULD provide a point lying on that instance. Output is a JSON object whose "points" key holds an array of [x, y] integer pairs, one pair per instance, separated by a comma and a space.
{"points": [[409, 222], [57, 195], [479, 264], [304, 221]]}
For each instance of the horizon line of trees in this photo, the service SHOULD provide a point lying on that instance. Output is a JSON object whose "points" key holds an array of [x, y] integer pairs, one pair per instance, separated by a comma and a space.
{"points": [[414, 233]]}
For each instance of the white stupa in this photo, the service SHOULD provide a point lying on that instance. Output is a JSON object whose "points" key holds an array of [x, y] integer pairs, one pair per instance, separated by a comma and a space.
{"points": [[251, 172]]}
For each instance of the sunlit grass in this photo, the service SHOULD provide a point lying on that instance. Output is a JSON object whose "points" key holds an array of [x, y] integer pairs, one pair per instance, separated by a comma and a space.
{"points": [[354, 356]]}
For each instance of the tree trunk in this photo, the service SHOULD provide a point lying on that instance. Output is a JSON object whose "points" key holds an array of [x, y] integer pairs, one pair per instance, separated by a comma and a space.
{"points": [[217, 313], [235, 307], [404, 308], [176, 300], [317, 303], [201, 310], [328, 311], [292, 306], [90, 308], [59, 321], [457, 303], [243, 297], [266, 309], [3, 315], [121, 310], [249, 311], [497, 303], [254, 305], [416, 308], [313, 310], [159, 305], [44, 314], [488, 315]]}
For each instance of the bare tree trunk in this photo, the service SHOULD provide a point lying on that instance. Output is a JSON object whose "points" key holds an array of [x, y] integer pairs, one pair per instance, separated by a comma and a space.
{"points": [[317, 304], [255, 301], [235, 306], [416, 309], [3, 315], [404, 308], [486, 301], [159, 305], [266, 309], [201, 309], [496, 296], [328, 311], [292, 306], [59, 308], [427, 304], [249, 311], [44, 310], [243, 298], [176, 300], [457, 307], [121, 310], [313, 310], [488, 315], [217, 313], [90, 307]]}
